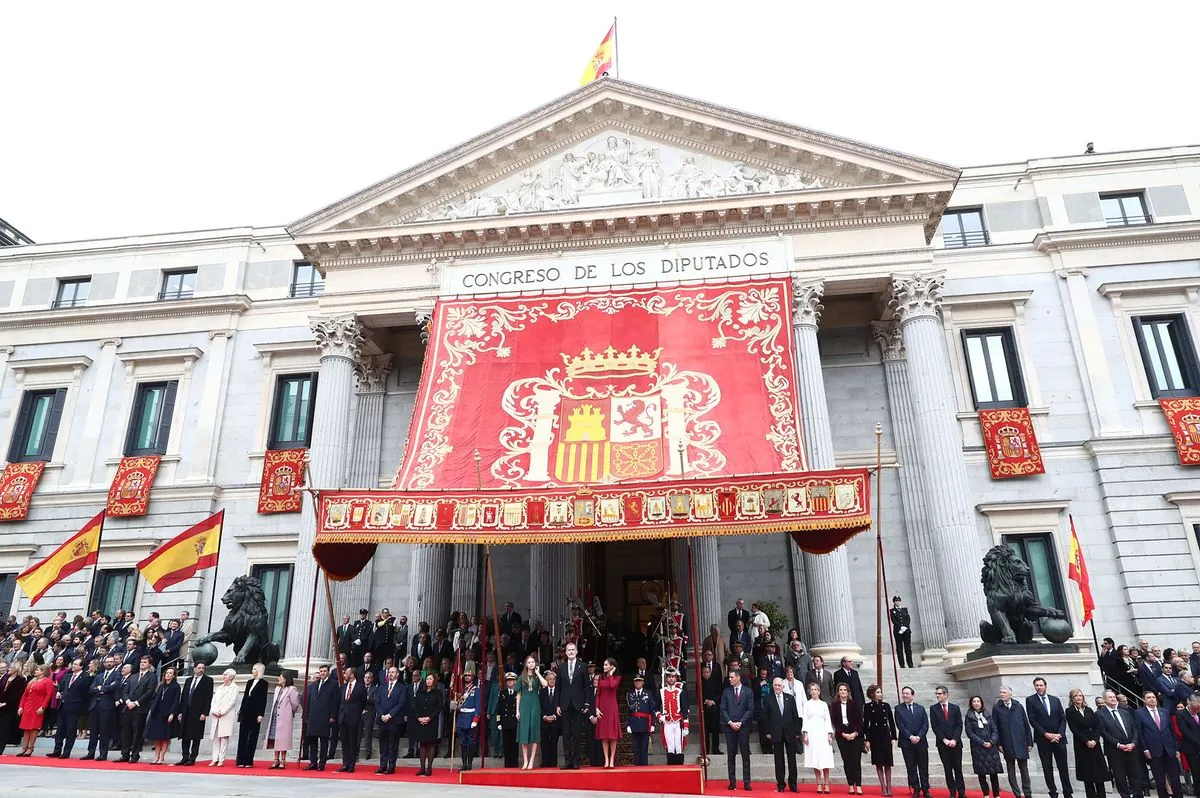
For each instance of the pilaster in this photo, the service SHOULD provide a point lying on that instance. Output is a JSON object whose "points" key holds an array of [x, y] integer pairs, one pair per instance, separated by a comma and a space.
{"points": [[1093, 366], [93, 425], [212, 402]]}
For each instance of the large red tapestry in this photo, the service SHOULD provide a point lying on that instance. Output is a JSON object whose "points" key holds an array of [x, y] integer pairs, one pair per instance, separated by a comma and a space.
{"points": [[283, 471], [17, 485], [598, 389], [129, 494], [1012, 447], [1183, 417]]}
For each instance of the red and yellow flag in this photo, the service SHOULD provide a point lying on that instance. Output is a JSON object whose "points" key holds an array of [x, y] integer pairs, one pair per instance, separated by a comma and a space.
{"points": [[185, 554], [604, 60], [80, 551], [1077, 572]]}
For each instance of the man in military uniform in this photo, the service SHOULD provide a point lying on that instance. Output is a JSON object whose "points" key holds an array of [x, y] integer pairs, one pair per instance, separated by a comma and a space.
{"points": [[673, 716], [383, 637], [641, 719], [902, 633], [506, 719], [360, 638], [468, 716]]}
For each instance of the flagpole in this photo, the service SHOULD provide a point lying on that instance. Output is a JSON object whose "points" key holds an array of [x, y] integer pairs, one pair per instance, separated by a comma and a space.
{"points": [[616, 55], [87, 605], [212, 599]]}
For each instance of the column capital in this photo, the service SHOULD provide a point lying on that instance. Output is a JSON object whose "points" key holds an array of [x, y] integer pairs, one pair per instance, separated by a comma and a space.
{"points": [[917, 297], [424, 319], [887, 335], [113, 342], [371, 373], [338, 336], [806, 302]]}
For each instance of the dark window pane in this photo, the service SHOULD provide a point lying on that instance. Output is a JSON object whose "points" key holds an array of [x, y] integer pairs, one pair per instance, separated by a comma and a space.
{"points": [[114, 590], [993, 368], [277, 588]]}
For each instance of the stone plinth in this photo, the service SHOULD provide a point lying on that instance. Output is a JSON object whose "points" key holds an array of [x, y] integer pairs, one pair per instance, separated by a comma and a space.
{"points": [[1063, 672]]}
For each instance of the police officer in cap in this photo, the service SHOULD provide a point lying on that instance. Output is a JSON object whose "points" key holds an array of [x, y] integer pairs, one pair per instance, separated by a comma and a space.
{"points": [[902, 633]]}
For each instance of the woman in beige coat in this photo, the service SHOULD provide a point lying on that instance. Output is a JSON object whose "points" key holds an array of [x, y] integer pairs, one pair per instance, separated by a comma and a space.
{"points": [[223, 711]]}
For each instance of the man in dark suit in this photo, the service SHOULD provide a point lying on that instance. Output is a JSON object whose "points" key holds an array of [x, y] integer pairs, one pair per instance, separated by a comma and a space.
{"points": [[510, 621], [946, 720], [1158, 744], [739, 613], [400, 633], [901, 632], [847, 675], [384, 642], [353, 704], [323, 702], [818, 675], [551, 723], [1173, 690], [1016, 740], [345, 634], [1049, 724], [1122, 745], [360, 637], [442, 650], [737, 711], [912, 728], [136, 695], [779, 715], [572, 704], [740, 634], [391, 703], [172, 643], [195, 701], [134, 651], [72, 701], [1188, 720], [102, 709]]}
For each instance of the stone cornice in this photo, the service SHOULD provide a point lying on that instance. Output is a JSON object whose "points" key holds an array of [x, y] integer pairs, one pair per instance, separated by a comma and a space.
{"points": [[1176, 285], [1123, 236], [158, 243], [235, 304]]}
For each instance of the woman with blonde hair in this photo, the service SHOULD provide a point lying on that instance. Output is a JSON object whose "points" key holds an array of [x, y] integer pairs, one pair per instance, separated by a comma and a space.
{"points": [[529, 722], [224, 699], [1090, 766], [34, 702]]}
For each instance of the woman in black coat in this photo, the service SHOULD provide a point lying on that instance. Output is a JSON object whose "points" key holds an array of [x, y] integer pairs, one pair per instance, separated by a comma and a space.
{"points": [[427, 708], [250, 716], [985, 746], [1090, 766], [879, 729], [848, 731], [711, 689], [162, 722]]}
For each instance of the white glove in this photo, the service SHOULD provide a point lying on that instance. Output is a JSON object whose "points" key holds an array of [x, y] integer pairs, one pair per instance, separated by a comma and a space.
{"points": [[357, 642], [685, 732], [628, 730]]}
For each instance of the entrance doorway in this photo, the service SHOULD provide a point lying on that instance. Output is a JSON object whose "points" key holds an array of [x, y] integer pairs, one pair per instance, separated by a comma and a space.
{"points": [[629, 577]]}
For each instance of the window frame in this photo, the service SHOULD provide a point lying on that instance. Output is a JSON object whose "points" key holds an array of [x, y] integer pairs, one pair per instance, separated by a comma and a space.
{"points": [[102, 579], [24, 419], [1016, 379], [166, 413], [75, 301], [167, 295], [305, 441], [256, 571], [314, 287], [963, 239], [8, 592], [1124, 220], [1185, 353]]}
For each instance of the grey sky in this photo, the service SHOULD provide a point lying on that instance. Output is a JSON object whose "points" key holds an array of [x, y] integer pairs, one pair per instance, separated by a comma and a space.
{"points": [[165, 117]]}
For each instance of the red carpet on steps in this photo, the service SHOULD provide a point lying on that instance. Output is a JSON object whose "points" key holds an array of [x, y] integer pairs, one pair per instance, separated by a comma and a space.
{"points": [[680, 779]]}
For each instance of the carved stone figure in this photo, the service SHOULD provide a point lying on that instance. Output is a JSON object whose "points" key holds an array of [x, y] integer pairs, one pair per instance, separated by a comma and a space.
{"points": [[245, 627], [1011, 604]]}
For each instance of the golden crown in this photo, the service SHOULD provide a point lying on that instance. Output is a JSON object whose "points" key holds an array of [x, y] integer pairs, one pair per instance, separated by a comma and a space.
{"points": [[610, 361]]}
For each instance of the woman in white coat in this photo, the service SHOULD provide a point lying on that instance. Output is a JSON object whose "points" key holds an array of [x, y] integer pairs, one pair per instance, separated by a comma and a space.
{"points": [[223, 711], [818, 737]]}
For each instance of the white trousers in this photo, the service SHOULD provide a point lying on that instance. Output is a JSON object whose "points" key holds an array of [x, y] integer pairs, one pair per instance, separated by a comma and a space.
{"points": [[220, 746], [673, 733]]}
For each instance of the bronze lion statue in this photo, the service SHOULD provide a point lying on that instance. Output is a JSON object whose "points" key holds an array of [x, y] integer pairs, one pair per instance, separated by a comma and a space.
{"points": [[1010, 601], [245, 627]]}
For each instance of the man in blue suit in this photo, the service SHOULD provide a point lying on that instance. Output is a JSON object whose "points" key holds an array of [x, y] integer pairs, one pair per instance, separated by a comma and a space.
{"points": [[390, 708], [1158, 744], [912, 727], [1016, 741], [102, 709], [737, 711], [72, 701], [324, 705], [1172, 690], [947, 723], [1049, 724]]}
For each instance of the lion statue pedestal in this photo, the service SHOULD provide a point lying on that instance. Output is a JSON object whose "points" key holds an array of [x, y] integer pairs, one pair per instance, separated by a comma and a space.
{"points": [[245, 627]]}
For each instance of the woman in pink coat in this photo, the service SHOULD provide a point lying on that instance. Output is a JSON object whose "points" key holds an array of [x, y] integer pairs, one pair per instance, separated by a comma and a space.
{"points": [[284, 706]]}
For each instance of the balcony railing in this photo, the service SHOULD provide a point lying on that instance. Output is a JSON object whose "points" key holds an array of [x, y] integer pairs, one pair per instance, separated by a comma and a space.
{"points": [[1125, 221], [974, 238], [306, 290], [179, 293], [67, 302]]}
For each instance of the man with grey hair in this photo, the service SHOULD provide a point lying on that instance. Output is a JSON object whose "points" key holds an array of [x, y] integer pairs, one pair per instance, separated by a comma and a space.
{"points": [[1119, 730], [1016, 740], [1188, 720]]}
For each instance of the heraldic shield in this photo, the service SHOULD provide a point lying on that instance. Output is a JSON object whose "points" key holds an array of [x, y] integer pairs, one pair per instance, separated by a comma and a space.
{"points": [[609, 440]]}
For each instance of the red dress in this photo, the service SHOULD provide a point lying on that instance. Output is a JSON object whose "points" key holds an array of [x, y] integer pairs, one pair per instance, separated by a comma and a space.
{"points": [[37, 696], [608, 727]]}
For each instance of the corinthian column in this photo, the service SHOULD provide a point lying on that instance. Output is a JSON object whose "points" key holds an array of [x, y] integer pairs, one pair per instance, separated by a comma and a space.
{"points": [[827, 576], [926, 589], [339, 340], [917, 301]]}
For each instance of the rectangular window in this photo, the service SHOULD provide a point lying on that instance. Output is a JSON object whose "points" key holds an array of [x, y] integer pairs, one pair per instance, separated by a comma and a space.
{"points": [[114, 590], [178, 284], [1167, 355], [964, 228], [72, 293], [8, 587], [150, 424], [306, 280], [36, 428], [276, 581], [994, 370], [292, 412], [1124, 209], [1038, 553]]}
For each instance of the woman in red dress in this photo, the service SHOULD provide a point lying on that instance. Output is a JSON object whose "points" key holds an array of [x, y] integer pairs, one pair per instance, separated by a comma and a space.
{"points": [[608, 723], [32, 708]]}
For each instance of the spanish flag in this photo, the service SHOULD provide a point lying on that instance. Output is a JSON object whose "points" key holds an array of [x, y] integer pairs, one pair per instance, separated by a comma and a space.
{"points": [[1077, 572], [80, 551], [605, 59], [185, 554]]}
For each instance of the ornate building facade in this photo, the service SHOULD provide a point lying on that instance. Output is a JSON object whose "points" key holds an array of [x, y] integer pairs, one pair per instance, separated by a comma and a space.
{"points": [[923, 296]]}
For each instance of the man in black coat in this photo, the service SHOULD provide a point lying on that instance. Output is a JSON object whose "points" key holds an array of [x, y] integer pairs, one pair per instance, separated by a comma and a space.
{"points": [[391, 704], [136, 695], [946, 722], [324, 702], [739, 613], [572, 704], [360, 638], [848, 676], [194, 703], [551, 725], [510, 621], [1049, 723], [345, 636], [350, 711], [134, 651], [1122, 745], [102, 709], [72, 701], [779, 716], [507, 719]]}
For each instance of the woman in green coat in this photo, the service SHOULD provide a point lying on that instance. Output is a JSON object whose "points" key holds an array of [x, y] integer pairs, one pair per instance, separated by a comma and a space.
{"points": [[529, 712]]}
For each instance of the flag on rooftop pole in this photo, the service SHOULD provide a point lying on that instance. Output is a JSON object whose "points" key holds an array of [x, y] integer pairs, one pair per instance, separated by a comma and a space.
{"points": [[78, 552], [1077, 572], [183, 555], [604, 61]]}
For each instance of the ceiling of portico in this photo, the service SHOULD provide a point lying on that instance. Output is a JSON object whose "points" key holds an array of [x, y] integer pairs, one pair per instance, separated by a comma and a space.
{"points": [[617, 158]]}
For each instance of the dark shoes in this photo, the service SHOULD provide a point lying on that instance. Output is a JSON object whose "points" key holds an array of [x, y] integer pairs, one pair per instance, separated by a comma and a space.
{"points": [[733, 785]]}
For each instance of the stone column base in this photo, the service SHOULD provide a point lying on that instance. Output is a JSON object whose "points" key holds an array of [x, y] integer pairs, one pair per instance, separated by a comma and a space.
{"points": [[933, 656], [297, 665], [957, 650], [832, 653], [1063, 672]]}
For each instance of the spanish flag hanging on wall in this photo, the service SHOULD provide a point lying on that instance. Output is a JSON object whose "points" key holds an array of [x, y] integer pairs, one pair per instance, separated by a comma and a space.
{"points": [[1077, 572], [185, 554], [80, 551], [605, 59]]}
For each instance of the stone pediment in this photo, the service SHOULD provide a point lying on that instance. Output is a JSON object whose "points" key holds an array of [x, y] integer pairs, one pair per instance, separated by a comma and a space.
{"points": [[616, 144]]}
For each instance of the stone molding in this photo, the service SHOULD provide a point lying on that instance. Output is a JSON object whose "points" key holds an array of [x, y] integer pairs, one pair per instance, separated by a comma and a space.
{"points": [[338, 336], [916, 297], [371, 373], [806, 302]]}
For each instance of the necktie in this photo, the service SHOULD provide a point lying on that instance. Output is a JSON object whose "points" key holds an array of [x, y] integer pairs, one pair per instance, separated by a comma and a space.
{"points": [[946, 710], [349, 690], [737, 693], [71, 683], [1157, 719], [192, 688], [570, 670], [1120, 722], [911, 710], [780, 699], [1046, 704]]}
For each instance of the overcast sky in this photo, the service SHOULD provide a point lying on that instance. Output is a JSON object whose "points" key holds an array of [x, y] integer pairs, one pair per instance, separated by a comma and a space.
{"points": [[180, 116]]}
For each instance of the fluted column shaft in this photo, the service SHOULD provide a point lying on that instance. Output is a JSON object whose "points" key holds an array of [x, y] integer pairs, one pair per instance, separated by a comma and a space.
{"points": [[429, 587], [339, 340], [706, 565], [679, 577], [464, 592], [927, 598], [554, 577], [943, 473], [827, 576]]}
